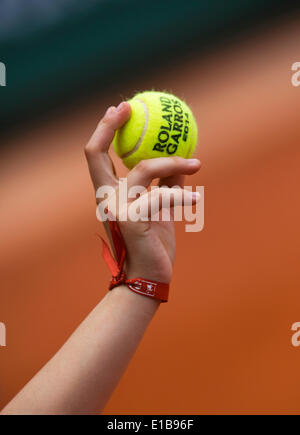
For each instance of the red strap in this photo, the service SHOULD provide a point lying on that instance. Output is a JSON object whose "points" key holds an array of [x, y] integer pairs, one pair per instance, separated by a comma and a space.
{"points": [[152, 289]]}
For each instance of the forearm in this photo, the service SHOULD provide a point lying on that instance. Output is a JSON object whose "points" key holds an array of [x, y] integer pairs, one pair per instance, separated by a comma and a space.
{"points": [[81, 377]]}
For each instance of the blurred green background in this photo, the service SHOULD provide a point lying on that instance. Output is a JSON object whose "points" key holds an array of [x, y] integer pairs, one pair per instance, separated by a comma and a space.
{"points": [[56, 51]]}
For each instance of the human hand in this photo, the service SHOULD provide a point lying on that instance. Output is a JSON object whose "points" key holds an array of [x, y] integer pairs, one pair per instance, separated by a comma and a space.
{"points": [[150, 245]]}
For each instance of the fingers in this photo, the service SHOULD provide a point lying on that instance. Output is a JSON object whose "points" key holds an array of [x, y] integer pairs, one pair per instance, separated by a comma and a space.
{"points": [[174, 180], [96, 151], [150, 203], [113, 119], [164, 167]]}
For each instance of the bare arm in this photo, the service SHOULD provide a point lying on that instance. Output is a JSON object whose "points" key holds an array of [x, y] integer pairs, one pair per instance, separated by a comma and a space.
{"points": [[81, 377]]}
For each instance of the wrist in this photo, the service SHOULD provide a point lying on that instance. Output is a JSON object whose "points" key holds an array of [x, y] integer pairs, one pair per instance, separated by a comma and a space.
{"points": [[150, 288], [143, 305]]}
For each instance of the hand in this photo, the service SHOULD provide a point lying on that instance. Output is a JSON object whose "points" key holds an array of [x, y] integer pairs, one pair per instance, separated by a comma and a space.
{"points": [[150, 245]]}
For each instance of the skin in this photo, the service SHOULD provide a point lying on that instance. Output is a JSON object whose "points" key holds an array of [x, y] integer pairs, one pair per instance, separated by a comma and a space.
{"points": [[83, 374]]}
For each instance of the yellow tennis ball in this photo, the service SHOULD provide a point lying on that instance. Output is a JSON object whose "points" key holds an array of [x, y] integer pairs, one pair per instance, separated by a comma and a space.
{"points": [[161, 125]]}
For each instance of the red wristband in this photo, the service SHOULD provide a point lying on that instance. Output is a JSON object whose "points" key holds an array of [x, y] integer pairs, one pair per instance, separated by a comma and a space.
{"points": [[145, 287]]}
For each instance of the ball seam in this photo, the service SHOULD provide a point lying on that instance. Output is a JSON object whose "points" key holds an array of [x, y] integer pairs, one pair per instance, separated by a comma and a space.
{"points": [[141, 138]]}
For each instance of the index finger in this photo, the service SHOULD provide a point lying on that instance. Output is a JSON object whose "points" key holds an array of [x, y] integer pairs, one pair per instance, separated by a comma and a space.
{"points": [[96, 151]]}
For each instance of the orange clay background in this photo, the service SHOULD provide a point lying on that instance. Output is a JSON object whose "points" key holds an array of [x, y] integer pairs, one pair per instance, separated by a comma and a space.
{"points": [[223, 342]]}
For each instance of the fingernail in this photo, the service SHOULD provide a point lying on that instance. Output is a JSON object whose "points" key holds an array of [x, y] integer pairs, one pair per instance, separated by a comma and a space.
{"points": [[120, 107], [196, 196], [193, 162], [110, 110]]}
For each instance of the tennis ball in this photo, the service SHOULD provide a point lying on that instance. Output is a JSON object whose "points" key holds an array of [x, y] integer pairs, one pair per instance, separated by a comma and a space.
{"points": [[161, 125]]}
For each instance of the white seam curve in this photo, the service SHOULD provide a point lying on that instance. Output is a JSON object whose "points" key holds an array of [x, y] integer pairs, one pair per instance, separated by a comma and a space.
{"points": [[138, 144]]}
